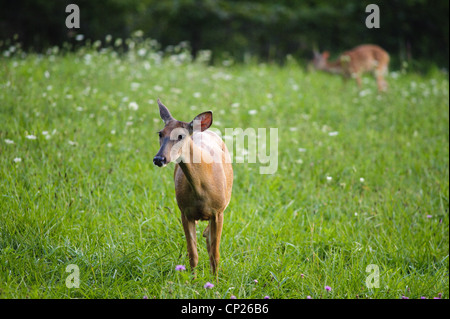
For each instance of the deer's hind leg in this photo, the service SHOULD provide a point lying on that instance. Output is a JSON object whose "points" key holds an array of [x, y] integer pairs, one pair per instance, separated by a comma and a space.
{"points": [[379, 76]]}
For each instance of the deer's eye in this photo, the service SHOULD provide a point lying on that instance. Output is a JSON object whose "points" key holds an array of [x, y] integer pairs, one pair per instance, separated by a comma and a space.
{"points": [[180, 137], [159, 134]]}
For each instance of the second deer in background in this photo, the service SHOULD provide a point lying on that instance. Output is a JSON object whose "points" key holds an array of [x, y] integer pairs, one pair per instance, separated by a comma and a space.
{"points": [[355, 62]]}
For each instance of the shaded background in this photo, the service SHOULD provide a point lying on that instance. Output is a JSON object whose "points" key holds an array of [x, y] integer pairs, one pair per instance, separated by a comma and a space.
{"points": [[411, 30]]}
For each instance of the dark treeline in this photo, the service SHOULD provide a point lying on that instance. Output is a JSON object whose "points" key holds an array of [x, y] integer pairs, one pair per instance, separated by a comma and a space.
{"points": [[412, 30]]}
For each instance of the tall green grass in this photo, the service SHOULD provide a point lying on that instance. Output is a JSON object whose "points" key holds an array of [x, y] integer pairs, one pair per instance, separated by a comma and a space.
{"points": [[85, 191]]}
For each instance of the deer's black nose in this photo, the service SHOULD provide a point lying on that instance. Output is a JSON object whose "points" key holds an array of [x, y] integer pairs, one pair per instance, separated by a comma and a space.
{"points": [[159, 160]]}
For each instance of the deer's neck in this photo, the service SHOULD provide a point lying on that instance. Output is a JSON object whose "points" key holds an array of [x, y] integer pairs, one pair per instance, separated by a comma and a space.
{"points": [[194, 167], [334, 67]]}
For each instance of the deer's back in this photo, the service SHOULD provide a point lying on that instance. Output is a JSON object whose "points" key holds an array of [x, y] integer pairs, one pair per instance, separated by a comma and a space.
{"points": [[366, 57]]}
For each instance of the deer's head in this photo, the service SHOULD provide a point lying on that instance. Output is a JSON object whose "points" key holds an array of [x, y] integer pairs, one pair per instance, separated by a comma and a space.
{"points": [[176, 136], [320, 60]]}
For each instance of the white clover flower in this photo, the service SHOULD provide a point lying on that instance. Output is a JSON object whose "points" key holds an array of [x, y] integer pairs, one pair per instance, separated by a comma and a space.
{"points": [[142, 52], [79, 37], [7, 141], [17, 160], [73, 143], [302, 149], [197, 95], [134, 106], [361, 179], [30, 137], [135, 86], [252, 112], [333, 133], [329, 178]]}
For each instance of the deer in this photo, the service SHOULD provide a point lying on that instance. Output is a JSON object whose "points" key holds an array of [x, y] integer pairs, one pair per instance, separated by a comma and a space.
{"points": [[203, 178], [355, 62]]}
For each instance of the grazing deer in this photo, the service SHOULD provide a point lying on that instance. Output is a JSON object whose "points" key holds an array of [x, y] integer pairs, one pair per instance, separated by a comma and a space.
{"points": [[363, 58], [203, 178]]}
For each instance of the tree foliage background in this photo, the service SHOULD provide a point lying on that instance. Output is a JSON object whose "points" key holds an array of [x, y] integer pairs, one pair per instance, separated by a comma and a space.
{"points": [[414, 30]]}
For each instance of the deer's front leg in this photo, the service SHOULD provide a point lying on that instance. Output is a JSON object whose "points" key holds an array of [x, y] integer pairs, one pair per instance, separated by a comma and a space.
{"points": [[213, 240], [191, 240]]}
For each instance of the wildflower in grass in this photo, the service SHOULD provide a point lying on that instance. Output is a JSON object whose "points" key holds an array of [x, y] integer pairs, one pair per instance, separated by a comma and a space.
{"points": [[429, 216], [327, 288], [142, 52], [233, 297], [302, 275], [255, 281], [72, 143], [133, 105], [145, 297], [308, 297], [266, 297], [7, 141], [197, 95], [423, 297], [361, 179], [404, 297], [17, 160], [180, 267], [208, 285], [158, 88], [333, 133], [79, 37], [329, 178], [31, 137], [235, 104], [135, 86], [252, 112]]}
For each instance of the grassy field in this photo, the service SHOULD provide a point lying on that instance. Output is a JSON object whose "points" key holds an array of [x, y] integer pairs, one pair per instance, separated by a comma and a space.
{"points": [[362, 179]]}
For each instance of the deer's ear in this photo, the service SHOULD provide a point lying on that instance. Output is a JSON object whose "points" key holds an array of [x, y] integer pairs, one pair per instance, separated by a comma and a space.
{"points": [[326, 54], [202, 121], [164, 112]]}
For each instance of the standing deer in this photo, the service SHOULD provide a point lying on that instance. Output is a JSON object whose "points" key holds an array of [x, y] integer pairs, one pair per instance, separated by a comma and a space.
{"points": [[353, 63], [203, 178]]}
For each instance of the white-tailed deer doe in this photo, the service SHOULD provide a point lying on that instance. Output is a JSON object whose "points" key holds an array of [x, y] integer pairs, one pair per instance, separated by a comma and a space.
{"points": [[355, 62], [203, 178]]}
